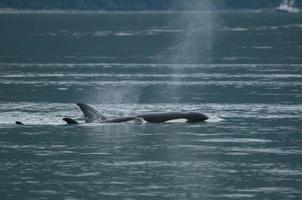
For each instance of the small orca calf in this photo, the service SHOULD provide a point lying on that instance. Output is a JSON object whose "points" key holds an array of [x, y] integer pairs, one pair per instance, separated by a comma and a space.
{"points": [[92, 115], [19, 123], [67, 120]]}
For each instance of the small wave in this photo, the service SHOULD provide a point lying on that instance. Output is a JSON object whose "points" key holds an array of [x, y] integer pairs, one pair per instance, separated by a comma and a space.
{"points": [[268, 189], [287, 26], [158, 31], [45, 192], [262, 47], [86, 174], [215, 119], [235, 196], [236, 29], [53, 153], [292, 26], [102, 33], [262, 28], [276, 151], [283, 172], [62, 88], [96, 153], [236, 140], [124, 34]]}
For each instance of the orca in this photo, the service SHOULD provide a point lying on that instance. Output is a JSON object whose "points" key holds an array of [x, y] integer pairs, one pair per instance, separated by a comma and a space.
{"points": [[92, 115]]}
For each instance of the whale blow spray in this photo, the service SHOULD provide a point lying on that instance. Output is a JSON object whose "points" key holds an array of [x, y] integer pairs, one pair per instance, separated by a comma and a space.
{"points": [[193, 45]]}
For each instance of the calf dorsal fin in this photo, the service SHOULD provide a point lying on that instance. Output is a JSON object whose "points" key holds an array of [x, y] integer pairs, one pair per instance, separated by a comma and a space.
{"points": [[19, 123], [70, 121]]}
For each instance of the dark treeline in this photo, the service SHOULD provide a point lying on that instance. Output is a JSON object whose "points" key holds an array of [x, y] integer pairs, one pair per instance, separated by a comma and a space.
{"points": [[136, 4]]}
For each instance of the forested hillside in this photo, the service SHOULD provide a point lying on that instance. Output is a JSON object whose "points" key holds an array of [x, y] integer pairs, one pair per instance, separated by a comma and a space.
{"points": [[137, 4]]}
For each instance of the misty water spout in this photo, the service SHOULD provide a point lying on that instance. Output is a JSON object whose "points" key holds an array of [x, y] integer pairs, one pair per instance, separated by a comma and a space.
{"points": [[193, 45]]}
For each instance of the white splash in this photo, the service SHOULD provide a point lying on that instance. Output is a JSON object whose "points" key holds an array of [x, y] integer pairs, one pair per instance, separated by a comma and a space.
{"points": [[287, 6]]}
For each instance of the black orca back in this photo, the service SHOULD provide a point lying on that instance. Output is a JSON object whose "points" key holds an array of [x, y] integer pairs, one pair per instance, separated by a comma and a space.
{"points": [[167, 116]]}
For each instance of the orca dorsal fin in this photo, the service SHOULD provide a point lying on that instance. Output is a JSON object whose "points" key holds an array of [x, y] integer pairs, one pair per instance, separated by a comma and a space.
{"points": [[70, 121], [19, 123], [90, 114]]}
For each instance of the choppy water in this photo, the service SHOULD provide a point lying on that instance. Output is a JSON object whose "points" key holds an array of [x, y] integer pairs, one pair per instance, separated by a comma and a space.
{"points": [[251, 87]]}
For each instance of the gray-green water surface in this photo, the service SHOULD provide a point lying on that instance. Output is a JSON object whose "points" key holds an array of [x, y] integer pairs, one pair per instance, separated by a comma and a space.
{"points": [[245, 72]]}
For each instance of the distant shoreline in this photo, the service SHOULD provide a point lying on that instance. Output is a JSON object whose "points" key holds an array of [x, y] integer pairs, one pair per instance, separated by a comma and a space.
{"points": [[58, 11]]}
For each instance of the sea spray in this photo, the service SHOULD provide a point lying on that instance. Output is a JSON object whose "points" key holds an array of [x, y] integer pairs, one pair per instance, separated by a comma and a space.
{"points": [[113, 96], [194, 43], [192, 46]]}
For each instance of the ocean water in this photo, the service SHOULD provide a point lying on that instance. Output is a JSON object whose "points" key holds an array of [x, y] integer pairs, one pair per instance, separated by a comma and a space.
{"points": [[244, 70]]}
